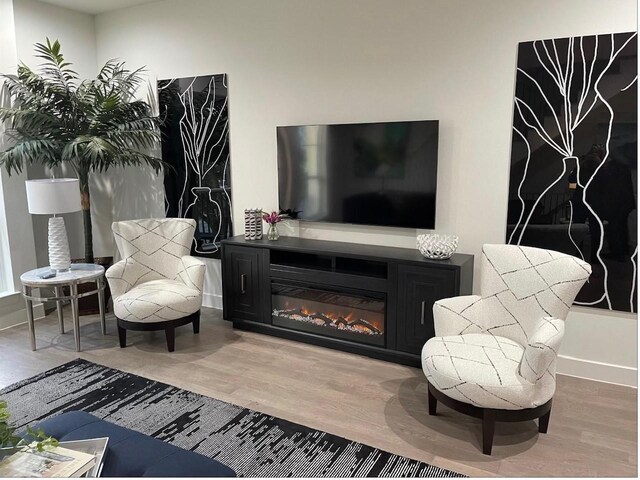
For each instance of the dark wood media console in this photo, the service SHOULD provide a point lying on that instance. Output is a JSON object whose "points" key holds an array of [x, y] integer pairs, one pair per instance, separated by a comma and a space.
{"points": [[364, 299]]}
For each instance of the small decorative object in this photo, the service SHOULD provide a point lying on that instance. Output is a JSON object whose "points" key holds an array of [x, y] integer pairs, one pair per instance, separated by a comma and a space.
{"points": [[253, 224], [52, 197], [273, 219], [437, 247], [273, 233]]}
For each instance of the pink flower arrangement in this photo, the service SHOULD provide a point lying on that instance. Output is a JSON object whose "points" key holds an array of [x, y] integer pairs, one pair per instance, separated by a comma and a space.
{"points": [[273, 218]]}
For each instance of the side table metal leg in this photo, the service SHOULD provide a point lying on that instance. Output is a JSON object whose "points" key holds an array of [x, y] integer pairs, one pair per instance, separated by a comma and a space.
{"points": [[76, 315], [103, 321], [32, 330], [59, 309]]}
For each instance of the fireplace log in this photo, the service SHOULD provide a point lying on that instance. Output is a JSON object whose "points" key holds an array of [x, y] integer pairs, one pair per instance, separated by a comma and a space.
{"points": [[293, 311], [328, 321], [365, 324]]}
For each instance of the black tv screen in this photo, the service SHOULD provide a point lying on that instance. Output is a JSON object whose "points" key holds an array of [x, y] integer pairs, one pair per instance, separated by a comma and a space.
{"points": [[366, 173]]}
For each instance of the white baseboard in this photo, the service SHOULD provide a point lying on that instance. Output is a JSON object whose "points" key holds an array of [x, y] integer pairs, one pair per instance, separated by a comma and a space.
{"points": [[599, 371], [13, 310], [211, 300], [15, 314], [571, 366]]}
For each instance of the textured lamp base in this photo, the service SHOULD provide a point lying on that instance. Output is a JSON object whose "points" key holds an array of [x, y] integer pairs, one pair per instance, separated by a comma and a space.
{"points": [[59, 257]]}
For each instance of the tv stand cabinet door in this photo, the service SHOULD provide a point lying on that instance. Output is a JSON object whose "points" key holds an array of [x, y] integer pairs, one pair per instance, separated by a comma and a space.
{"points": [[241, 282], [418, 290]]}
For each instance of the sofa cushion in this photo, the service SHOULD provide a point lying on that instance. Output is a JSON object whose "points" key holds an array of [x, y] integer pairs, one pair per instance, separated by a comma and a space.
{"points": [[482, 369], [133, 454], [157, 301]]}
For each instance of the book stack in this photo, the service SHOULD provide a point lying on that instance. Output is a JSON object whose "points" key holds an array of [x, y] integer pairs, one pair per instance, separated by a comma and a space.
{"points": [[80, 458]]}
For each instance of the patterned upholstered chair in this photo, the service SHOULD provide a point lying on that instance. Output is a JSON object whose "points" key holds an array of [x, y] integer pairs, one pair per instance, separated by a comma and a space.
{"points": [[157, 285], [494, 356]]}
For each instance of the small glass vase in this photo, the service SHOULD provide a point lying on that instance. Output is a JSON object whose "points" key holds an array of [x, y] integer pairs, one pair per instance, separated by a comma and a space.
{"points": [[273, 234]]}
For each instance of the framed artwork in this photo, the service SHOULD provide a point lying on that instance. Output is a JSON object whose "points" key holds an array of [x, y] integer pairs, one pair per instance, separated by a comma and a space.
{"points": [[195, 144], [573, 176]]}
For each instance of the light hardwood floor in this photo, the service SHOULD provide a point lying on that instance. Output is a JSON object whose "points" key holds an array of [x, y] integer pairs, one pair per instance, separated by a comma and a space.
{"points": [[593, 429]]}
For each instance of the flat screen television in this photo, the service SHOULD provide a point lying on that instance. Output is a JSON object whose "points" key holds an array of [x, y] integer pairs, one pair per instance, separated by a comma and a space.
{"points": [[365, 173]]}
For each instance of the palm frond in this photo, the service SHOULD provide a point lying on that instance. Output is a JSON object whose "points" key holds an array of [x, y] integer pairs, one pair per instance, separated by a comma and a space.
{"points": [[30, 150], [94, 124], [30, 120], [140, 139], [135, 157], [55, 67]]}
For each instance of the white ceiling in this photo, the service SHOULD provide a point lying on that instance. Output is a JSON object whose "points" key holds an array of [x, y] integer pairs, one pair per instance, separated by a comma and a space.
{"points": [[96, 6]]}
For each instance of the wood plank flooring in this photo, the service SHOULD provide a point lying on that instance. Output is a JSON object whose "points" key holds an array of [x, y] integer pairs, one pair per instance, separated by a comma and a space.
{"points": [[593, 429]]}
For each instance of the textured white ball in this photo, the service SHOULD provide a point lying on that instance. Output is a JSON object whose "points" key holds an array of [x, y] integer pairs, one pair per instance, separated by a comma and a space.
{"points": [[437, 247]]}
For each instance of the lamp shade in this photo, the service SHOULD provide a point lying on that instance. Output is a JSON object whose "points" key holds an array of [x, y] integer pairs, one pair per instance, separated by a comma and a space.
{"points": [[52, 196]]}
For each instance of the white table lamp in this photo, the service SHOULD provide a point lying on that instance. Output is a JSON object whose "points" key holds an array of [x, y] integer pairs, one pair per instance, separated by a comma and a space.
{"points": [[52, 197]]}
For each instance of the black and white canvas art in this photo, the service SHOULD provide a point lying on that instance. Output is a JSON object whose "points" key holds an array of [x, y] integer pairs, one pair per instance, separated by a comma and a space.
{"points": [[195, 143], [573, 183]]}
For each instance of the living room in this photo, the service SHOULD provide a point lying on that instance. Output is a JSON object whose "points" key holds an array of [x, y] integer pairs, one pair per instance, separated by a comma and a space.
{"points": [[453, 71]]}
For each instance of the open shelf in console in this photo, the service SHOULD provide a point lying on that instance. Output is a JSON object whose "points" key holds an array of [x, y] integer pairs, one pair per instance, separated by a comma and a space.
{"points": [[357, 266], [311, 261], [328, 263]]}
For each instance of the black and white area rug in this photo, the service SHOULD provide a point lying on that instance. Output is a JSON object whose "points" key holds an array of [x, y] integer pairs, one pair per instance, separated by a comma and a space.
{"points": [[252, 443]]}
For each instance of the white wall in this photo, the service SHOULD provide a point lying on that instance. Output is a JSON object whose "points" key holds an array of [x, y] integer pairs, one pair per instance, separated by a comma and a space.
{"points": [[7, 64], [16, 228], [35, 21], [7, 37], [16, 234]]}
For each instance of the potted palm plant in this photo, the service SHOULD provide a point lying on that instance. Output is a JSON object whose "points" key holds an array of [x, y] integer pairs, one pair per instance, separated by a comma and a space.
{"points": [[92, 125]]}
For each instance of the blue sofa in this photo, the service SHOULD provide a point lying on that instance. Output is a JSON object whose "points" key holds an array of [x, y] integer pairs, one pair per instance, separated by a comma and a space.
{"points": [[133, 454]]}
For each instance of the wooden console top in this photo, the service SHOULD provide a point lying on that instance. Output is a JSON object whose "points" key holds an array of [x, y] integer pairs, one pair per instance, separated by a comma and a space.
{"points": [[356, 250]]}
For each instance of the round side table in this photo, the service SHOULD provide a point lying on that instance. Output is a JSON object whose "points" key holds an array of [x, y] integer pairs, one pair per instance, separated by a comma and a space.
{"points": [[79, 273]]}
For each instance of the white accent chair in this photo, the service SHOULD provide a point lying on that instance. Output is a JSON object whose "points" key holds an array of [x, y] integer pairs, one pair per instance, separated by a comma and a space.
{"points": [[157, 285], [494, 354]]}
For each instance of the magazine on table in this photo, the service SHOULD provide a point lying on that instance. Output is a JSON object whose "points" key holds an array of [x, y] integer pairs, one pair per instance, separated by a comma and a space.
{"points": [[52, 462], [92, 446]]}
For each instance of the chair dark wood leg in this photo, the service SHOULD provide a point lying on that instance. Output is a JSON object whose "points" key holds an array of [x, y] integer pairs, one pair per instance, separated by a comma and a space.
{"points": [[488, 427], [433, 402], [196, 325], [170, 333], [122, 336], [543, 422]]}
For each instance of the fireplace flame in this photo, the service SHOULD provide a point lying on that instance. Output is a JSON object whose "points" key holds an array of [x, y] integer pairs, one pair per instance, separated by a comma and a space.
{"points": [[350, 321]]}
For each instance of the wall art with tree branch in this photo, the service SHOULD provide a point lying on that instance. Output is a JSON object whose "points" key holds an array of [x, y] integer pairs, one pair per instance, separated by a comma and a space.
{"points": [[573, 182]]}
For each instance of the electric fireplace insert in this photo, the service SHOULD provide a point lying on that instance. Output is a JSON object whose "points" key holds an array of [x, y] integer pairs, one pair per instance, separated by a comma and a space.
{"points": [[355, 316]]}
